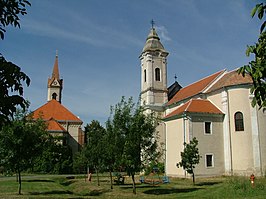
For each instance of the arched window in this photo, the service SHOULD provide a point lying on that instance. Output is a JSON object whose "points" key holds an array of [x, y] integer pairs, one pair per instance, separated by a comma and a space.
{"points": [[239, 121], [54, 95], [145, 76], [157, 74]]}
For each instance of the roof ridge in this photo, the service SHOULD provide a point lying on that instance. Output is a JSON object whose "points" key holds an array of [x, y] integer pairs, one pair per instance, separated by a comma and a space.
{"points": [[203, 78], [189, 103], [216, 79]]}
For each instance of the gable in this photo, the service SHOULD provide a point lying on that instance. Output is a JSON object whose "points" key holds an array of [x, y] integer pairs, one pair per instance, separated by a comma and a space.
{"points": [[231, 78], [54, 126], [194, 106]]}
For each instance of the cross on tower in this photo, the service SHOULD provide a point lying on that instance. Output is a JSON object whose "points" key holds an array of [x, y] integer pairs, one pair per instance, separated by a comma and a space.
{"points": [[175, 77], [152, 23]]}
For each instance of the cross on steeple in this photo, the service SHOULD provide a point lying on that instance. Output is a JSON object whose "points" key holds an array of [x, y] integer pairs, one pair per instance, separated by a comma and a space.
{"points": [[152, 23], [175, 77]]}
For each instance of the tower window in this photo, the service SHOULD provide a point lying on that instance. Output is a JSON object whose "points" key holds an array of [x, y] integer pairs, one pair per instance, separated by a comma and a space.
{"points": [[239, 122], [145, 76], [157, 74], [208, 127], [54, 95]]}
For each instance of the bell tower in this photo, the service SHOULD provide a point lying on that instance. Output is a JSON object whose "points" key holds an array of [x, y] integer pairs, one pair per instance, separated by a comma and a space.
{"points": [[153, 73], [55, 84]]}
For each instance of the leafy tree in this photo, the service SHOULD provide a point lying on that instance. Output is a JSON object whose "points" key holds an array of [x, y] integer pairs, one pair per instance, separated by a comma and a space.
{"points": [[21, 142], [80, 163], [257, 67], [94, 148], [11, 76], [137, 137], [190, 157], [55, 158], [9, 12], [114, 139]]}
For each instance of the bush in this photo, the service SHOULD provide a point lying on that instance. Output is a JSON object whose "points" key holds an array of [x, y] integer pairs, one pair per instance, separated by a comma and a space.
{"points": [[157, 167]]}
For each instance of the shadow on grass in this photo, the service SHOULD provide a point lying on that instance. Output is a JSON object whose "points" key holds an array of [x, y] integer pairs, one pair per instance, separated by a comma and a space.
{"points": [[169, 191], [36, 180], [67, 183], [138, 186], [51, 192], [208, 183], [63, 192]]}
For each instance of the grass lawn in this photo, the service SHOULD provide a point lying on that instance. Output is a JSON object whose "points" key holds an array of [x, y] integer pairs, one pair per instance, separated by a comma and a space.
{"points": [[54, 186]]}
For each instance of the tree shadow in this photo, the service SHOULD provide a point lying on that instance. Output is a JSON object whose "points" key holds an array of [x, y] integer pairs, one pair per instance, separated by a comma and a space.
{"points": [[67, 183], [51, 192], [208, 183], [38, 180], [169, 191]]}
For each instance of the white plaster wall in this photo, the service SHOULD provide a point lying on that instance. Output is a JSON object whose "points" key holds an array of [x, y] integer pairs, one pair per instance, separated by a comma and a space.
{"points": [[174, 146], [242, 146]]}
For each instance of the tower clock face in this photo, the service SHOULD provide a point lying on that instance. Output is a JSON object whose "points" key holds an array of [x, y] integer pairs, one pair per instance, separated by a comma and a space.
{"points": [[54, 83]]}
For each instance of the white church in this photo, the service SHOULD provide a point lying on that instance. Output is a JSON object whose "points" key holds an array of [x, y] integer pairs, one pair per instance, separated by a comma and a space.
{"points": [[216, 110]]}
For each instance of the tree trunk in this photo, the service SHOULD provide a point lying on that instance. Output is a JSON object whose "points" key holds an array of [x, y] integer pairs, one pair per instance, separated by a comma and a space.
{"points": [[193, 177], [19, 182], [134, 185], [110, 172], [98, 180]]}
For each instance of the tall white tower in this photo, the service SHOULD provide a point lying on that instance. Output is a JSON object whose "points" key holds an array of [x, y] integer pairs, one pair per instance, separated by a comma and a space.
{"points": [[55, 84], [153, 73]]}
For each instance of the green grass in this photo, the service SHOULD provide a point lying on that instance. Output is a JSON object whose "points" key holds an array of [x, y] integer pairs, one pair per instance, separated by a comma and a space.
{"points": [[53, 186]]}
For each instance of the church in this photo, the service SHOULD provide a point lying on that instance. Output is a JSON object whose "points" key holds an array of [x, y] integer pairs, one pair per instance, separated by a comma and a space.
{"points": [[61, 122], [215, 109]]}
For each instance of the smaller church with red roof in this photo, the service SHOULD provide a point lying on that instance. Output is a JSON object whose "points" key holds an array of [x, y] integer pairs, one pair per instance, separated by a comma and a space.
{"points": [[61, 122]]}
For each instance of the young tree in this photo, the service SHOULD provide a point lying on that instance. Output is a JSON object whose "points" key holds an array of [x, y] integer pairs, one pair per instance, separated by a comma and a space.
{"points": [[257, 67], [190, 157], [11, 76], [21, 142], [137, 137], [114, 139], [94, 149]]}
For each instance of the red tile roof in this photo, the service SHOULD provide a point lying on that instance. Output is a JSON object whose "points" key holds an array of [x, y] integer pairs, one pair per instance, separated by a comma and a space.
{"points": [[53, 125], [195, 88], [229, 79], [53, 109], [195, 106]]}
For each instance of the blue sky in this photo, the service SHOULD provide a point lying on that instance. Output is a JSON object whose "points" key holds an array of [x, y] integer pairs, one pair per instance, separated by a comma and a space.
{"points": [[99, 43]]}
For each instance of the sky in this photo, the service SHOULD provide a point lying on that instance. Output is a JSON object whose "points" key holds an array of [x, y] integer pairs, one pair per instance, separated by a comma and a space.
{"points": [[99, 43]]}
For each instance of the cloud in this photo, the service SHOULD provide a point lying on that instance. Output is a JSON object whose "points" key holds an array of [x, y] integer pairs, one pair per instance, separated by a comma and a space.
{"points": [[163, 33], [98, 36]]}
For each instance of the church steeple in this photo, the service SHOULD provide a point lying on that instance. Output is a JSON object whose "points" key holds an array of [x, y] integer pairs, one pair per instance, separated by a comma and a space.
{"points": [[55, 84], [55, 73], [153, 73]]}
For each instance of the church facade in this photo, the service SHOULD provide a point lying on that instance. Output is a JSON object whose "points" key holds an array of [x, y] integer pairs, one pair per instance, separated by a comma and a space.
{"points": [[61, 123], [216, 110]]}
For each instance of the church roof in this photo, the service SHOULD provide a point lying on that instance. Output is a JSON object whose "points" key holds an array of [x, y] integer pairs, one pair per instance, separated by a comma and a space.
{"points": [[229, 79], [195, 106], [53, 125], [173, 89], [53, 109], [195, 88], [153, 42]]}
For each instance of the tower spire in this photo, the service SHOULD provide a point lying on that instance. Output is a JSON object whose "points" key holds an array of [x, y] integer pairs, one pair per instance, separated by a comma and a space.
{"points": [[55, 84], [55, 73]]}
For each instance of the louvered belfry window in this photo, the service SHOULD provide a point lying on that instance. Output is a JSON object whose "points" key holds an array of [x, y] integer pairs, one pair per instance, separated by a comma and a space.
{"points": [[157, 74]]}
